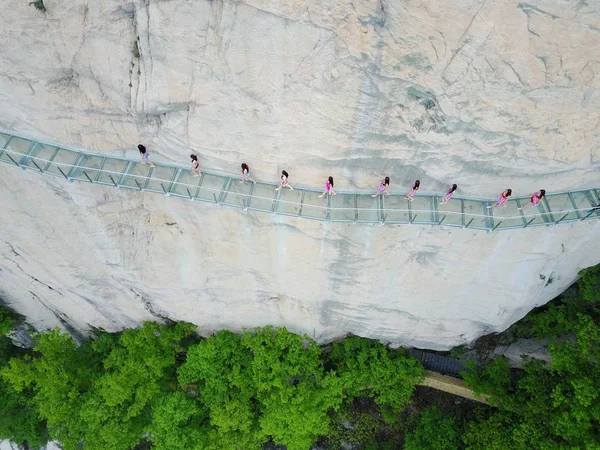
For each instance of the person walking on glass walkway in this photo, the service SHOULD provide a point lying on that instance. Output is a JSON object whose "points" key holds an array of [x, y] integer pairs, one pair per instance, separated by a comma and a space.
{"points": [[283, 183], [503, 199], [535, 199], [145, 156], [449, 194], [246, 174], [413, 190], [383, 187], [195, 165], [328, 188]]}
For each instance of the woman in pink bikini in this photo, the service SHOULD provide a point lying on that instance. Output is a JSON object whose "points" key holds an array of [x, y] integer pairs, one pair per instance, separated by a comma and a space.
{"points": [[328, 188], [284, 181], [449, 194], [383, 187], [535, 198], [413, 190], [503, 198], [195, 165]]}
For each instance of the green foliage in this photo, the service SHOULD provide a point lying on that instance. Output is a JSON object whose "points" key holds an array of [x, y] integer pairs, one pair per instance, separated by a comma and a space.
{"points": [[266, 383], [135, 390], [18, 416], [219, 369], [178, 423], [368, 368], [292, 389], [553, 407], [560, 317], [434, 431], [39, 5], [7, 320], [138, 369]]}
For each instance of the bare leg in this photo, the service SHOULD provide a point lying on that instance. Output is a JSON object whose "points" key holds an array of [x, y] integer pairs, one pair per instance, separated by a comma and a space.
{"points": [[324, 192], [291, 188]]}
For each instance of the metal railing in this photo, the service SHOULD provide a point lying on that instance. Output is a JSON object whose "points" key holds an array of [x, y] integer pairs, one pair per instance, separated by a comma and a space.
{"points": [[223, 189]]}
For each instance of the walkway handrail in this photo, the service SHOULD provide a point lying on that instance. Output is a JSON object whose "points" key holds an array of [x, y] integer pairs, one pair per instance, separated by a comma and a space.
{"points": [[220, 189]]}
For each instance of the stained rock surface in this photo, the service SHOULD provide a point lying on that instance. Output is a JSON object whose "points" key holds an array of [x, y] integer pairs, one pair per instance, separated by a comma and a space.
{"points": [[487, 94]]}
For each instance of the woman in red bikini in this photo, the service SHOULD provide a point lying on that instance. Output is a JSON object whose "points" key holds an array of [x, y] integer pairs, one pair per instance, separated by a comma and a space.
{"points": [[535, 198]]}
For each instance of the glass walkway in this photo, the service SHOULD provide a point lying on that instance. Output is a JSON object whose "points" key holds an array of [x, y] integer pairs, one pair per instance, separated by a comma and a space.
{"points": [[354, 207]]}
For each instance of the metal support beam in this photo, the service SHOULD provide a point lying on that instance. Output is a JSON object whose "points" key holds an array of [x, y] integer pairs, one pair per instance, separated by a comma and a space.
{"points": [[574, 205], [301, 203]]}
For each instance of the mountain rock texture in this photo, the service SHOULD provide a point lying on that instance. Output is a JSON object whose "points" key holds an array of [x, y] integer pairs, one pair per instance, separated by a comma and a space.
{"points": [[486, 94]]}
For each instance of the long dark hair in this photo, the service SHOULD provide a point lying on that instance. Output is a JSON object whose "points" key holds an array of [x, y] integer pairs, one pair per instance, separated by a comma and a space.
{"points": [[141, 148], [454, 186], [542, 193], [330, 179], [416, 185], [284, 173], [245, 167], [386, 182], [508, 192], [194, 157]]}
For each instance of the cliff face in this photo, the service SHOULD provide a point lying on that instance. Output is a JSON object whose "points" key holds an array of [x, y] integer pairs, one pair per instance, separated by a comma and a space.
{"points": [[487, 94]]}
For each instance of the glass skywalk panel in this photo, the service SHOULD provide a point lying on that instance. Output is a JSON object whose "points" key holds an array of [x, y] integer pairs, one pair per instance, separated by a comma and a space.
{"points": [[62, 161], [39, 157], [532, 215], [315, 207], [421, 210], [211, 187], [289, 202], [4, 138], [15, 149], [475, 215], [508, 216], [238, 194], [562, 207], [86, 168], [263, 195], [368, 208], [396, 209], [187, 185], [160, 179], [136, 176], [450, 213], [112, 171], [343, 207]]}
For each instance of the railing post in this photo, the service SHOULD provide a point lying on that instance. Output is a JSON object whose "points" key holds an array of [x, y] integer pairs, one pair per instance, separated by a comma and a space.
{"points": [[560, 220], [11, 158], [497, 225], [589, 214], [190, 194], [38, 167], [164, 190]]}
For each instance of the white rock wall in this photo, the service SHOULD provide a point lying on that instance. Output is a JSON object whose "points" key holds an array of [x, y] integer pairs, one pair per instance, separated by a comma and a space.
{"points": [[487, 94], [82, 255]]}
